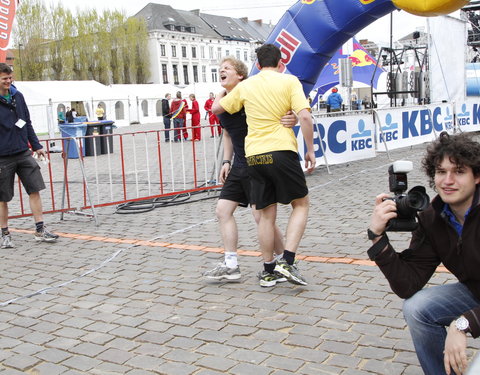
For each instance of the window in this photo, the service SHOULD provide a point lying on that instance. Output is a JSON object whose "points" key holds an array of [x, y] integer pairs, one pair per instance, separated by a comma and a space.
{"points": [[175, 75], [174, 51], [237, 54], [202, 52], [145, 108], [185, 74], [184, 51], [162, 50], [164, 73], [227, 52], [194, 52], [210, 53], [119, 111], [158, 107], [195, 74], [245, 55], [214, 75], [219, 53], [204, 73]]}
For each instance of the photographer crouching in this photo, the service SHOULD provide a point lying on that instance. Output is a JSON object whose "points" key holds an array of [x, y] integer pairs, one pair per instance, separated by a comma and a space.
{"points": [[448, 231]]}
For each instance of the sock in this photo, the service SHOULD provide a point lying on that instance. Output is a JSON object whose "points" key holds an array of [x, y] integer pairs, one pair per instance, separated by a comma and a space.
{"points": [[231, 259], [39, 226], [5, 231], [270, 266], [278, 256], [289, 257]]}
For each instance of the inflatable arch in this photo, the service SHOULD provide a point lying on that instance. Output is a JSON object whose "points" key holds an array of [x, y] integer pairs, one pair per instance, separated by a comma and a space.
{"points": [[311, 31]]}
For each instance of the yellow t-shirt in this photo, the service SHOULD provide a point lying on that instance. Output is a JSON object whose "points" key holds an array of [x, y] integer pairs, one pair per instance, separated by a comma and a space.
{"points": [[267, 96]]}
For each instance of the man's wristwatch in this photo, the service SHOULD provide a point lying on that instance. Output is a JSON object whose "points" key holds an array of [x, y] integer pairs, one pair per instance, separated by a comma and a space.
{"points": [[372, 236], [226, 161], [462, 324]]}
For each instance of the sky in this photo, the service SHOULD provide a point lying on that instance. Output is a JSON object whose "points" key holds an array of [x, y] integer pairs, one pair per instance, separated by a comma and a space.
{"points": [[267, 10]]}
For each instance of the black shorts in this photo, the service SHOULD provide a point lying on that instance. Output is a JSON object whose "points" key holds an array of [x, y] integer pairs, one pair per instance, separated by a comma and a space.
{"points": [[276, 177], [27, 169], [237, 186]]}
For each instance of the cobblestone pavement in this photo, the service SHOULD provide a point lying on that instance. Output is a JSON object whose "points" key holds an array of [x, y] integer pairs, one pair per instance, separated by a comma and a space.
{"points": [[127, 297]]}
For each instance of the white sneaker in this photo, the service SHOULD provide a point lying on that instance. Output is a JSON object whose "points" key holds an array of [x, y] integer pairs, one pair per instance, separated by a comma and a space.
{"points": [[221, 271], [7, 241]]}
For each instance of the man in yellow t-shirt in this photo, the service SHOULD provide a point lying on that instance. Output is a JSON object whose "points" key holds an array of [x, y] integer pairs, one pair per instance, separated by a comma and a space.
{"points": [[100, 112], [272, 154]]}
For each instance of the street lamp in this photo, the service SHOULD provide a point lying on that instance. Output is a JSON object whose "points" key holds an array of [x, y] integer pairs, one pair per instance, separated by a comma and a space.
{"points": [[20, 45]]}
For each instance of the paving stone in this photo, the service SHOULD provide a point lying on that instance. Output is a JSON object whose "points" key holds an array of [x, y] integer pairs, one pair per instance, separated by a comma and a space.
{"points": [[21, 362]]}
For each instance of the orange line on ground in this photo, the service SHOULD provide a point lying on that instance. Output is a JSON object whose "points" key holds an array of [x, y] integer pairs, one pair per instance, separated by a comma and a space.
{"points": [[251, 253]]}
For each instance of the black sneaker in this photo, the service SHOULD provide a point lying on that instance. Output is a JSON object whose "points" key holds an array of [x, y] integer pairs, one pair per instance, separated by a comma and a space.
{"points": [[45, 236], [291, 272]]}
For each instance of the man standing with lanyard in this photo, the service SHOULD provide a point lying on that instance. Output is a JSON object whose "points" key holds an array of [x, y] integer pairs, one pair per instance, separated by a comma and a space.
{"points": [[16, 132]]}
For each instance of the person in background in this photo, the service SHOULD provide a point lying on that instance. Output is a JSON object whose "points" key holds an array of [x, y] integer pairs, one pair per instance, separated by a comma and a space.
{"points": [[166, 115], [212, 118], [16, 132], [61, 116], [334, 101], [69, 115], [178, 111], [195, 112], [100, 112]]}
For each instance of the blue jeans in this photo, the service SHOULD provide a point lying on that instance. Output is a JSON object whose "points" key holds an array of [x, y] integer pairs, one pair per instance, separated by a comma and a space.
{"points": [[178, 125], [166, 122], [427, 313]]}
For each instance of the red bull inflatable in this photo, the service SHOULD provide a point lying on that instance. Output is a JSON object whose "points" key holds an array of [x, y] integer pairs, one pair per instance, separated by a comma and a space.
{"points": [[312, 31]]}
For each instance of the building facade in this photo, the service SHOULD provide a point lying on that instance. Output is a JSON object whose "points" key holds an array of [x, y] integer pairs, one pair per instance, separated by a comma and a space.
{"points": [[186, 47]]}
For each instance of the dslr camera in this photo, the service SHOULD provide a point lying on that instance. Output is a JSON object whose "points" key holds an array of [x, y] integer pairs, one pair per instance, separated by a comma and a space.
{"points": [[407, 204]]}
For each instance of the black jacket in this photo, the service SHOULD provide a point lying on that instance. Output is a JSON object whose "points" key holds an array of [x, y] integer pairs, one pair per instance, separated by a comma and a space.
{"points": [[434, 242], [13, 139], [166, 108]]}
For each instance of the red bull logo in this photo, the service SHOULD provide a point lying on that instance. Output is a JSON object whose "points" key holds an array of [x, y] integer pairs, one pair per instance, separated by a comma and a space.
{"points": [[288, 46], [366, 1]]}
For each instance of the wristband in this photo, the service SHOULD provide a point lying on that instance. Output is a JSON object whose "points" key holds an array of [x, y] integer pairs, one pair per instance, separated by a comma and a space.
{"points": [[226, 161], [378, 247]]}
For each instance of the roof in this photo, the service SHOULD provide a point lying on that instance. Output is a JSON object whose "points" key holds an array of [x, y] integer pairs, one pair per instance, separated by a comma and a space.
{"points": [[258, 29], [39, 92], [227, 28], [201, 27], [160, 16]]}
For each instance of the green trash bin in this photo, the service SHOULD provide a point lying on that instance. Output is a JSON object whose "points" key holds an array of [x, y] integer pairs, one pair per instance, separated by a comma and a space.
{"points": [[93, 145], [72, 145]]}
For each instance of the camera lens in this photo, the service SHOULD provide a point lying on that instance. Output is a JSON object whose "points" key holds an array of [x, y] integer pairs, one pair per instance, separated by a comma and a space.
{"points": [[417, 200]]}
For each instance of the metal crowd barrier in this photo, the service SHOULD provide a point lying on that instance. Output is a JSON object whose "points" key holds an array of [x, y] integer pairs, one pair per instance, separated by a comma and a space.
{"points": [[121, 168]]}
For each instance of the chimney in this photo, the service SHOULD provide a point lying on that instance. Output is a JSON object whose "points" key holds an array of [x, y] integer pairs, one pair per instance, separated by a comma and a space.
{"points": [[260, 22], [244, 19], [196, 12]]}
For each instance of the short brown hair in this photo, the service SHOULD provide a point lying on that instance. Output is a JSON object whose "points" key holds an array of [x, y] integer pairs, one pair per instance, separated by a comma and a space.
{"points": [[4, 68]]}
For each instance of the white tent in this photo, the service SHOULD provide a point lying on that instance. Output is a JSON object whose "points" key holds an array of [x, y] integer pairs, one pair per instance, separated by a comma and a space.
{"points": [[46, 98]]}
